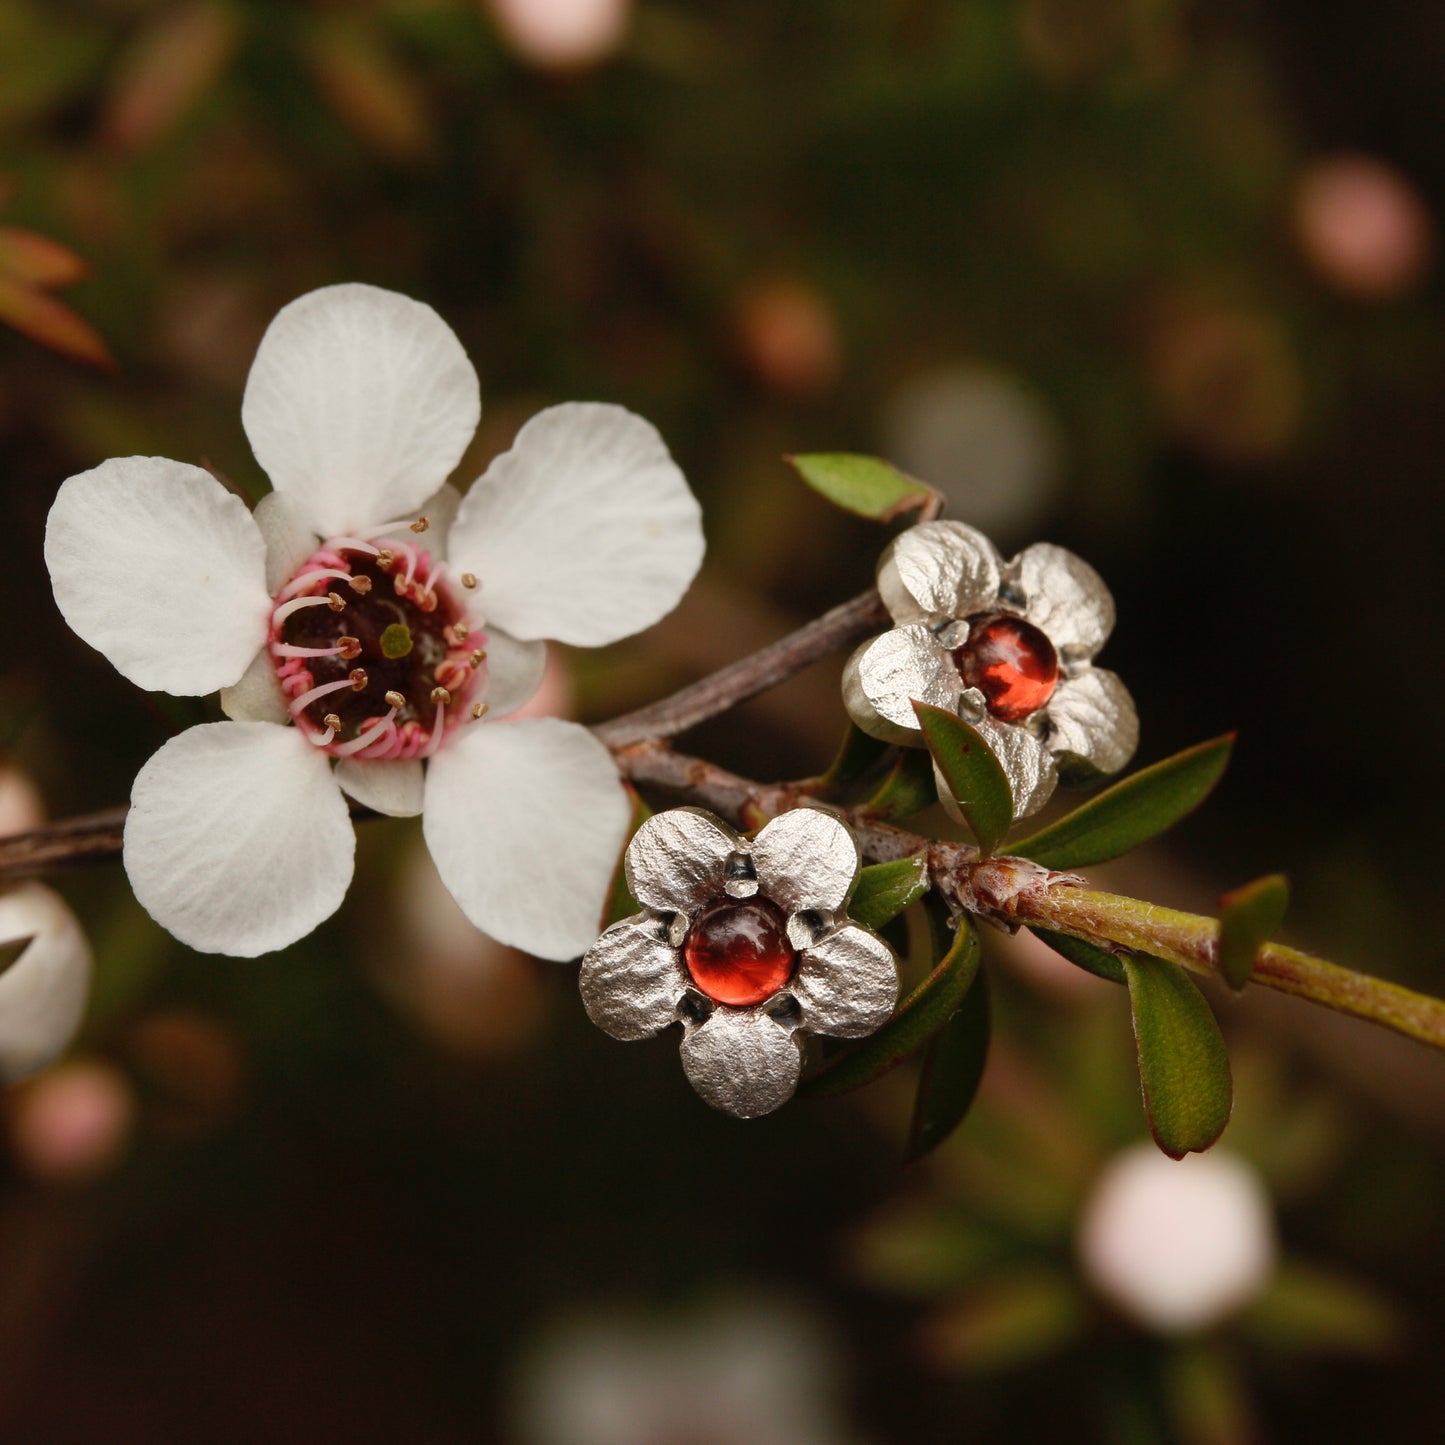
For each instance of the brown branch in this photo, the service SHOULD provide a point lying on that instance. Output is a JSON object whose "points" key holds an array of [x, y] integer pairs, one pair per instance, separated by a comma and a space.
{"points": [[726, 688]]}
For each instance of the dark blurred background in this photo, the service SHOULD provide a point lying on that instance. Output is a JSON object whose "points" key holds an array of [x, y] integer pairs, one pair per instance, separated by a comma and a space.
{"points": [[1155, 280]]}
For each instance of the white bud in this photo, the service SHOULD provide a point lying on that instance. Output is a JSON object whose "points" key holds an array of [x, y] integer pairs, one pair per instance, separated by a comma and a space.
{"points": [[562, 34], [42, 994], [1177, 1244]]}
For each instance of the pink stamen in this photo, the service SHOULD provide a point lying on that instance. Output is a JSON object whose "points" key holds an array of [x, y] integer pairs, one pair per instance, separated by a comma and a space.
{"points": [[295, 605], [305, 579], [365, 739], [289, 649], [300, 704]]}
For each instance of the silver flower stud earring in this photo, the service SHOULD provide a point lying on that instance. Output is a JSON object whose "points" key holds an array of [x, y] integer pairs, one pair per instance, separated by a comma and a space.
{"points": [[1008, 646], [746, 943]]}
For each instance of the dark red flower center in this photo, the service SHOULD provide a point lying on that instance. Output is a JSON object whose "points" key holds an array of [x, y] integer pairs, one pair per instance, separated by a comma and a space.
{"points": [[1010, 662], [737, 950]]}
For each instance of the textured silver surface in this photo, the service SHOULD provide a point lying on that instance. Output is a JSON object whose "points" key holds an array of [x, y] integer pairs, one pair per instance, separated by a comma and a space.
{"points": [[677, 860], [631, 979], [932, 578], [883, 677], [936, 571], [806, 859], [1065, 598], [1029, 766], [742, 1061], [847, 984], [1094, 727]]}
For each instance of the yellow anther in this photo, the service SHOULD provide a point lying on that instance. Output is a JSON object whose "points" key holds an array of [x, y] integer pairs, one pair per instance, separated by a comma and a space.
{"points": [[469, 579], [478, 657], [332, 721], [358, 678], [385, 558], [360, 585], [395, 699], [350, 647], [480, 710], [420, 525], [336, 602], [440, 696]]}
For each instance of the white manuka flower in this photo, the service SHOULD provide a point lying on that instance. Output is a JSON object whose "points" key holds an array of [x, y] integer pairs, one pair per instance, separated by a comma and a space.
{"points": [[1008, 646], [44, 987], [747, 944], [355, 640]]}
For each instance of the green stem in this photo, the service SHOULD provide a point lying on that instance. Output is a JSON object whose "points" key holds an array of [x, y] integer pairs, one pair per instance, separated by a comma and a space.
{"points": [[1192, 941]]}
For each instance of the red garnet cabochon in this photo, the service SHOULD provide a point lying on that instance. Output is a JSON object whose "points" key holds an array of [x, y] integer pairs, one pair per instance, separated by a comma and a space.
{"points": [[737, 950], [1011, 663]]}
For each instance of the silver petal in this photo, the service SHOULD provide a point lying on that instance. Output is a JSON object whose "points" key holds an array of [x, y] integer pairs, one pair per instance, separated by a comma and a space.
{"points": [[631, 980], [1093, 725], [742, 1061], [1065, 598], [806, 858], [938, 570], [883, 677], [677, 860], [1030, 767], [847, 984]]}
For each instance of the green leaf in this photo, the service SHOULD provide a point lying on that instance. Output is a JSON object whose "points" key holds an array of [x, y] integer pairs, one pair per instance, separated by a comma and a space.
{"points": [[1007, 1321], [952, 1068], [1308, 1309], [918, 1018], [886, 889], [1131, 812], [908, 789], [858, 754], [1085, 955], [1248, 918], [11, 950], [974, 776], [1183, 1066], [866, 486]]}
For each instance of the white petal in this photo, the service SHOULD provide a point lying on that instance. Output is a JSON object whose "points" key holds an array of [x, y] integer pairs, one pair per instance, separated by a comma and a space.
{"points": [[631, 980], [742, 1061], [514, 672], [806, 858], [358, 405], [678, 860], [440, 511], [1029, 765], [938, 570], [584, 532], [1065, 598], [1093, 725], [238, 839], [525, 821], [846, 984], [884, 676], [386, 785], [158, 566], [258, 696], [289, 541], [43, 993]]}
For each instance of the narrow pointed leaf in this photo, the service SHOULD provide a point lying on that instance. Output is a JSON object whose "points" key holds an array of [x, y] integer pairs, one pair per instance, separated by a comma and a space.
{"points": [[866, 486], [918, 1018], [952, 1068], [52, 324], [975, 777], [11, 950], [908, 789], [1183, 1066], [1131, 812], [884, 890], [1084, 955], [37, 260], [1248, 918]]}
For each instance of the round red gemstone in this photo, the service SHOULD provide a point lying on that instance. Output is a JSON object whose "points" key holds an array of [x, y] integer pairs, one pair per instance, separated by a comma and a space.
{"points": [[1011, 663], [737, 950]]}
